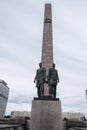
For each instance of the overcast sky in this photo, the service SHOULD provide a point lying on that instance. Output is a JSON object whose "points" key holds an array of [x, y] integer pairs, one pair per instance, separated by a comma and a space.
{"points": [[21, 32]]}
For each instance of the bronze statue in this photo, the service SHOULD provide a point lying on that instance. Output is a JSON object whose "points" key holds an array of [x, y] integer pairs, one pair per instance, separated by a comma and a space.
{"points": [[53, 79], [40, 79]]}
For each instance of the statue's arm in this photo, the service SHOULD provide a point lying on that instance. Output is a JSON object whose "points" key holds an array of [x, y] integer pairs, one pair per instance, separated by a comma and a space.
{"points": [[35, 76], [48, 76], [57, 76], [45, 74]]}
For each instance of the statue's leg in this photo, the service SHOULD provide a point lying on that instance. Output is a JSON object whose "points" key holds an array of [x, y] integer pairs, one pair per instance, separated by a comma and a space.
{"points": [[38, 89], [42, 90], [50, 90], [54, 91]]}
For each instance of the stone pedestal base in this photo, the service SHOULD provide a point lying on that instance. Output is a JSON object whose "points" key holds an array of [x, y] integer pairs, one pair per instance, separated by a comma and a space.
{"points": [[46, 115]]}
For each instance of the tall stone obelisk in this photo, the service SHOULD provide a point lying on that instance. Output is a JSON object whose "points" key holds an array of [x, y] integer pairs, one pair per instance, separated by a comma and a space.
{"points": [[47, 45], [46, 112]]}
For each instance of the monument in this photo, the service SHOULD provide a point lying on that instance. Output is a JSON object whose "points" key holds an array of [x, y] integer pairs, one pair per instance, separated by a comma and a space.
{"points": [[46, 111]]}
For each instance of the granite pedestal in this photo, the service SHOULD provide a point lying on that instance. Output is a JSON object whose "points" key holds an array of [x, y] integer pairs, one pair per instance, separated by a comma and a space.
{"points": [[46, 115]]}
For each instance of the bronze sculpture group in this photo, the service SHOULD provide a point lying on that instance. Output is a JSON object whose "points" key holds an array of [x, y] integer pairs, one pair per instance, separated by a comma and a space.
{"points": [[52, 80]]}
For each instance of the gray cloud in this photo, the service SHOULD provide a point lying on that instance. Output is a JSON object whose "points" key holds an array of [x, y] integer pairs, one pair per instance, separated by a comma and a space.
{"points": [[19, 98], [78, 104]]}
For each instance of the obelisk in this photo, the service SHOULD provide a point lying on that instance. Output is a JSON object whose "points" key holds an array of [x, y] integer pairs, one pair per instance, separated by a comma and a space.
{"points": [[47, 43], [46, 112]]}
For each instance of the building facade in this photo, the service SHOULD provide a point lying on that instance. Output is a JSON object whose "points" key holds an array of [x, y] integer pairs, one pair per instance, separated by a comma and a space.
{"points": [[4, 92]]}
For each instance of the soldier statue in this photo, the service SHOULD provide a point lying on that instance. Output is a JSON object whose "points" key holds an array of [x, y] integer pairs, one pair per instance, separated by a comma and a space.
{"points": [[40, 79], [53, 79]]}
